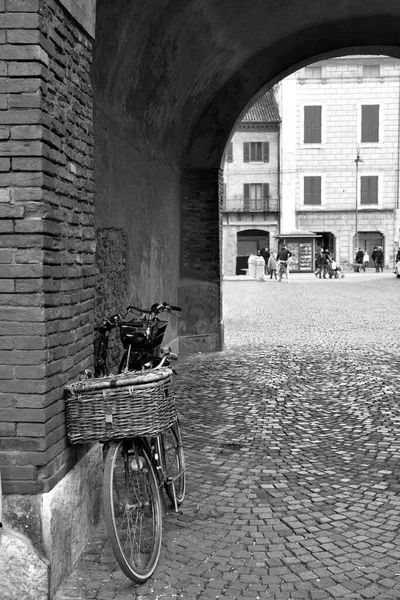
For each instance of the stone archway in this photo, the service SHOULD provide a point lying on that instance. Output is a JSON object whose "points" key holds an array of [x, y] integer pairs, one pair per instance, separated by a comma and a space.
{"points": [[169, 81]]}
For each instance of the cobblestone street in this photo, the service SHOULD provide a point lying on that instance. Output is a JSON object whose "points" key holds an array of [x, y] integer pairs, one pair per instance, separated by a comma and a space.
{"points": [[292, 443]]}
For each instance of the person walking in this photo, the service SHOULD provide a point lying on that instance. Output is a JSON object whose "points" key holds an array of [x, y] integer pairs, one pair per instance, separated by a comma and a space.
{"points": [[318, 263], [265, 254], [325, 263], [373, 255], [272, 264], [359, 259], [366, 260], [283, 257], [379, 260]]}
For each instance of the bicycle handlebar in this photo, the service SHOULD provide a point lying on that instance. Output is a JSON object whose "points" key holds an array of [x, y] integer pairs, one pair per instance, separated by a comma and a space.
{"points": [[114, 320]]}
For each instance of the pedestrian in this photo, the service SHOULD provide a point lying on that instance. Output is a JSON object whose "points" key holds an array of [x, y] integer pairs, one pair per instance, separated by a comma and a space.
{"points": [[379, 260], [265, 253], [272, 264], [318, 263], [359, 259], [398, 255], [373, 255], [325, 263], [366, 260], [283, 257]]}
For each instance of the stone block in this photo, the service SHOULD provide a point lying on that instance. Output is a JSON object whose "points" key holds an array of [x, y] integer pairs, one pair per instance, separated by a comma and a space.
{"points": [[23, 572]]}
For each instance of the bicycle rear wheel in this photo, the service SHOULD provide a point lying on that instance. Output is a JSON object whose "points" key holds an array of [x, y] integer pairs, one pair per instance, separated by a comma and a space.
{"points": [[172, 458], [132, 508]]}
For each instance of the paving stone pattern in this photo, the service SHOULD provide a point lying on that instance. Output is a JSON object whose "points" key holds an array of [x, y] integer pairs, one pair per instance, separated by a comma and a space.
{"points": [[292, 446]]}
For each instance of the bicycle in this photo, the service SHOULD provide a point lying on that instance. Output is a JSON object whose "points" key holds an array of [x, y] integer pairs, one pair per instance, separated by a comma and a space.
{"points": [[136, 467], [282, 270]]}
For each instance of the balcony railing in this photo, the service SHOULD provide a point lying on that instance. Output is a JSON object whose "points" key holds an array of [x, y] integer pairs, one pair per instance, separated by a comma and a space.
{"points": [[266, 205]]}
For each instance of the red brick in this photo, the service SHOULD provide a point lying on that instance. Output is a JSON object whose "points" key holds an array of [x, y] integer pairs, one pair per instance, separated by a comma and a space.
{"points": [[24, 101], [19, 86], [34, 163], [7, 286], [21, 271], [26, 132], [25, 372], [22, 357], [28, 342], [6, 372], [6, 227], [26, 194], [7, 429], [18, 473], [6, 256], [5, 133], [3, 68], [20, 414], [25, 69], [22, 179], [5, 164], [24, 386], [17, 315], [10, 211], [20, 117], [6, 342], [22, 6], [21, 148], [18, 299], [23, 36], [17, 328], [19, 21]]}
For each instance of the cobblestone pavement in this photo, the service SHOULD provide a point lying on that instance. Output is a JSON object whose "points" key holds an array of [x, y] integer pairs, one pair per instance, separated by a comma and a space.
{"points": [[292, 446]]}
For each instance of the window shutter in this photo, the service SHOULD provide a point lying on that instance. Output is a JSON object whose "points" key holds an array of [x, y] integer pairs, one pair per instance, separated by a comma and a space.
{"points": [[266, 151], [369, 190], [229, 154], [246, 152], [246, 190], [312, 190], [370, 123], [312, 124], [265, 191]]}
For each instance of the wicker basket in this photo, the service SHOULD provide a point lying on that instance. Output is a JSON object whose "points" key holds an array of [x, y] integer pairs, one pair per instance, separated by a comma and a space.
{"points": [[120, 406]]}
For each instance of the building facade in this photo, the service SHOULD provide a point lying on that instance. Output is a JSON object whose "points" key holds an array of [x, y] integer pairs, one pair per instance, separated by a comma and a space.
{"points": [[333, 168], [340, 153], [251, 185]]}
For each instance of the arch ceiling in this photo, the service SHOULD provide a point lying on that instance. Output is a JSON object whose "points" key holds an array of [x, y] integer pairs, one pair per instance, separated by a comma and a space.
{"points": [[179, 73]]}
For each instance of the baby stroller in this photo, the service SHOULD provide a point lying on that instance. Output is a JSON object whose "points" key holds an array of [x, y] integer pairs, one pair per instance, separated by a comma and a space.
{"points": [[335, 270]]}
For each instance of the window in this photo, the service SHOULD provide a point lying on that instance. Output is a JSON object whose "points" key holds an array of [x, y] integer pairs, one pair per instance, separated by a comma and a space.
{"points": [[313, 72], [229, 153], [369, 189], [312, 124], [312, 191], [255, 196], [371, 70], [256, 152], [370, 123]]}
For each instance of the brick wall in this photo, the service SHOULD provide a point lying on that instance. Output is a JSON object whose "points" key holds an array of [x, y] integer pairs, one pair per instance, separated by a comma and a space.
{"points": [[47, 272], [201, 214], [111, 284]]}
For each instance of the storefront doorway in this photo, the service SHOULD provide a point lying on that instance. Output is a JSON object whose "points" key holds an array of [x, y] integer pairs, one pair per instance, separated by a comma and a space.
{"points": [[367, 241], [248, 242]]}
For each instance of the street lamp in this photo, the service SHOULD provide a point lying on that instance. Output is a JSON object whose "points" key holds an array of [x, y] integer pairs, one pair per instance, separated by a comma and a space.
{"points": [[357, 161]]}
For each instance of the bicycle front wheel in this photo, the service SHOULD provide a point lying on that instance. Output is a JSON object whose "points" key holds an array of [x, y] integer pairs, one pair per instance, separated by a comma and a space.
{"points": [[132, 508], [173, 462]]}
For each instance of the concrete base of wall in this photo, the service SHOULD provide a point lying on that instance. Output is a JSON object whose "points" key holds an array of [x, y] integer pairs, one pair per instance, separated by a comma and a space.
{"points": [[45, 535]]}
